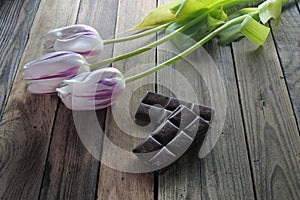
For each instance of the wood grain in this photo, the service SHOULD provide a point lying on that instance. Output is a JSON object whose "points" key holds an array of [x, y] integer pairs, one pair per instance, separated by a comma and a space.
{"points": [[71, 170], [227, 166], [270, 123], [225, 172], [287, 43], [73, 165], [27, 122], [118, 183], [16, 19]]}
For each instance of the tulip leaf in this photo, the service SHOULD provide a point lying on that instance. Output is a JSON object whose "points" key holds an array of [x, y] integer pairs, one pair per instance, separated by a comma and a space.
{"points": [[271, 9], [174, 8], [255, 31], [230, 34], [188, 37], [249, 27], [190, 8], [158, 16], [243, 11], [216, 17]]}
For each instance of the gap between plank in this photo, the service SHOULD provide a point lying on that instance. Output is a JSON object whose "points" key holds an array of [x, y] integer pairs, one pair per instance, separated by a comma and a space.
{"points": [[243, 121], [48, 150], [284, 78]]}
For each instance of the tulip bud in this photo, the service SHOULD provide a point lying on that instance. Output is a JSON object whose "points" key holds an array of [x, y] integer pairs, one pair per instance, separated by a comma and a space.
{"points": [[81, 39], [92, 90], [46, 73]]}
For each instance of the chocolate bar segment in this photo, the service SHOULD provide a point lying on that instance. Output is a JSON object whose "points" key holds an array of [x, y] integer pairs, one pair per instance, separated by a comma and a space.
{"points": [[172, 138], [152, 102], [165, 133], [149, 145]]}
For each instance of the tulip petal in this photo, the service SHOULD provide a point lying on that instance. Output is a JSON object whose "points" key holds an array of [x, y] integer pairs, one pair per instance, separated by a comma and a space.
{"points": [[92, 90], [45, 74], [81, 39]]}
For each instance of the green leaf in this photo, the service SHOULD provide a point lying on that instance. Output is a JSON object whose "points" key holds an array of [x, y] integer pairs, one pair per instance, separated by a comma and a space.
{"points": [[158, 16], [230, 34], [254, 31], [271, 9], [175, 8], [190, 8], [243, 11], [216, 17], [185, 39], [249, 27]]}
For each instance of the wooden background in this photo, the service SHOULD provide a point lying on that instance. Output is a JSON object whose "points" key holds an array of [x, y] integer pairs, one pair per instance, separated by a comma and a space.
{"points": [[42, 156]]}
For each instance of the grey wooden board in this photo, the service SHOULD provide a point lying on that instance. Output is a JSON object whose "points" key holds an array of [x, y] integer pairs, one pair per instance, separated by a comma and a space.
{"points": [[270, 123], [287, 42], [16, 18]]}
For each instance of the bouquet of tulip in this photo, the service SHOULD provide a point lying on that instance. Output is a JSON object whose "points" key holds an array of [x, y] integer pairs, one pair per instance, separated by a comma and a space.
{"points": [[71, 71]]}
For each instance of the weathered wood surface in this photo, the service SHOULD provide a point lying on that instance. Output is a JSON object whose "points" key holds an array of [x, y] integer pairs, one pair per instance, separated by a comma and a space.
{"points": [[117, 183], [225, 173], [28, 119], [16, 19], [43, 154], [286, 37], [70, 161], [270, 124]]}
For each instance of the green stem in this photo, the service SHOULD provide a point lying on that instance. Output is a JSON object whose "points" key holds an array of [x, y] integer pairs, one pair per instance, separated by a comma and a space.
{"points": [[226, 4], [136, 36], [188, 51], [151, 45]]}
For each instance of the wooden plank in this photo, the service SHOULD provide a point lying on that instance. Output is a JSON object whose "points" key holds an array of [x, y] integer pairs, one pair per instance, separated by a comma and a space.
{"points": [[16, 19], [286, 36], [102, 15], [115, 181], [71, 170], [225, 172], [28, 119], [270, 124]]}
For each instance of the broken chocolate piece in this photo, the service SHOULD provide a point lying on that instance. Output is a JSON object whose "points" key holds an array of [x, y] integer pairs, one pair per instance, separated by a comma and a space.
{"points": [[149, 145], [172, 138], [157, 107], [165, 133]]}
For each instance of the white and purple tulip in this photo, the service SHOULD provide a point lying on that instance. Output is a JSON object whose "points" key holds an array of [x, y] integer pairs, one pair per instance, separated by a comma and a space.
{"points": [[92, 90], [46, 73], [81, 39]]}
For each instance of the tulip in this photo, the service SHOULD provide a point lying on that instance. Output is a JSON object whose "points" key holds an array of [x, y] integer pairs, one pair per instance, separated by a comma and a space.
{"points": [[81, 39], [92, 90], [46, 73]]}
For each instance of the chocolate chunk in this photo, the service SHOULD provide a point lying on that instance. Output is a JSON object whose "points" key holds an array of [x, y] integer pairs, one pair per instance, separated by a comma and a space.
{"points": [[163, 158], [165, 133], [180, 143], [173, 104], [172, 138], [154, 98], [152, 101], [182, 116], [149, 145], [203, 111]]}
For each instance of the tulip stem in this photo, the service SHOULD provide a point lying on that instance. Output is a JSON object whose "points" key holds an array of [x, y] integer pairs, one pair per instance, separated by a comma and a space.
{"points": [[167, 37], [151, 45], [138, 35], [187, 51]]}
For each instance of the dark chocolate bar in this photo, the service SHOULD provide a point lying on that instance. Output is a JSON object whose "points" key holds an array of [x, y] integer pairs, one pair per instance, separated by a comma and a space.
{"points": [[157, 107], [181, 130]]}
